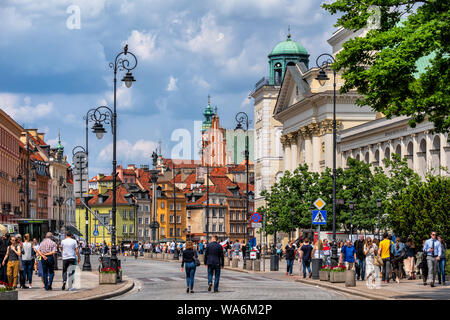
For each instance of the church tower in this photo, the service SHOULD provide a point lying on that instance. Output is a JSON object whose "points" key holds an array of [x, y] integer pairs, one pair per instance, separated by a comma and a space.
{"points": [[268, 152]]}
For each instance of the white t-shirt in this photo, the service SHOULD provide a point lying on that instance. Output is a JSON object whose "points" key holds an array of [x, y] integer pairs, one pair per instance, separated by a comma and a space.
{"points": [[69, 246]]}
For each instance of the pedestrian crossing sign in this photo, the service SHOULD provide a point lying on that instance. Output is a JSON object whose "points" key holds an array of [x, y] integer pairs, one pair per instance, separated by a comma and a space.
{"points": [[319, 217]]}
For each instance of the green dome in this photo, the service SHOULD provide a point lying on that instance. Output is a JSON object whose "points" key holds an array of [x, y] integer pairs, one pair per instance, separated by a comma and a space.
{"points": [[288, 47]]}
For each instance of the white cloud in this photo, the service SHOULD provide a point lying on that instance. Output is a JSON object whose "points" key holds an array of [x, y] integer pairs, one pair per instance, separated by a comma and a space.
{"points": [[172, 86], [126, 151], [143, 45], [123, 95], [200, 82], [24, 112], [245, 102]]}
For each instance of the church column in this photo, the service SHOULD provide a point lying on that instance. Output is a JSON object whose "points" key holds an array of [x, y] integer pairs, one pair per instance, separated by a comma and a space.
{"points": [[314, 127], [294, 150], [416, 163], [429, 162], [308, 146], [327, 129], [287, 152]]}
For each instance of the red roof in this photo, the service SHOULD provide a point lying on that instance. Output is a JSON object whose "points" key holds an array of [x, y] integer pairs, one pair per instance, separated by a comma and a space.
{"points": [[182, 164], [106, 178], [120, 199]]}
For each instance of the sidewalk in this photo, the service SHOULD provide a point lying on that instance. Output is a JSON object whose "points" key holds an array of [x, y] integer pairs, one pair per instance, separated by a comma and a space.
{"points": [[90, 288]]}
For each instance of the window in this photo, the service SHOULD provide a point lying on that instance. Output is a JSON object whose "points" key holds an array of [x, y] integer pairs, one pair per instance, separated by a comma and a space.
{"points": [[189, 214], [214, 228], [171, 232], [124, 228], [237, 229], [231, 228], [146, 233], [214, 213], [161, 218], [146, 220], [131, 228], [189, 229], [178, 206], [178, 232], [221, 214], [131, 215], [141, 207], [139, 220], [220, 228], [163, 231], [237, 215], [147, 208], [231, 215], [178, 219], [140, 232], [171, 206], [162, 205], [124, 215]]}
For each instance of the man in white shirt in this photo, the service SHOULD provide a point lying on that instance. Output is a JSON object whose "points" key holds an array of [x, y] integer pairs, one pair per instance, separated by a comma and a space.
{"points": [[70, 252]]}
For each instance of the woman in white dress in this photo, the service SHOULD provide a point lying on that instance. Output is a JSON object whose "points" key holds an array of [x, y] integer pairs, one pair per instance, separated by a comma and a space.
{"points": [[372, 272]]}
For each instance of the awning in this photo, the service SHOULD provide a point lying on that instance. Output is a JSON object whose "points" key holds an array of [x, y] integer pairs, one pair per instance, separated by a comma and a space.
{"points": [[73, 230]]}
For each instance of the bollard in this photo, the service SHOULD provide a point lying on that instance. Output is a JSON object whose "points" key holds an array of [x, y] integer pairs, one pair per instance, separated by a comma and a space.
{"points": [[235, 262], [274, 262], [257, 265], [350, 280], [315, 268], [249, 265], [227, 262]]}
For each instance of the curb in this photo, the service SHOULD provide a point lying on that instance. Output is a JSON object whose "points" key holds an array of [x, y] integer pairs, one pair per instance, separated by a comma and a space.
{"points": [[127, 287], [344, 290]]}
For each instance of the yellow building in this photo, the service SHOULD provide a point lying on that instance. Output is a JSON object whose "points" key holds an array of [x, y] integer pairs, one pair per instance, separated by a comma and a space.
{"points": [[101, 204]]}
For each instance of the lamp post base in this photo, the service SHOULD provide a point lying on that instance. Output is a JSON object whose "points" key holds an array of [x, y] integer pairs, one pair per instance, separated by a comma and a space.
{"points": [[87, 261], [175, 254], [334, 256]]}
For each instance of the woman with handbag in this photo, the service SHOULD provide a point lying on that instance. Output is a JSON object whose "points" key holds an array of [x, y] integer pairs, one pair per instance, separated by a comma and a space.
{"points": [[372, 262], [190, 258]]}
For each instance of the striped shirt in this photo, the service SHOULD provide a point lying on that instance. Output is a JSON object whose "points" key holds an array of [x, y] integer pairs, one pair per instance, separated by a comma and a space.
{"points": [[47, 245]]}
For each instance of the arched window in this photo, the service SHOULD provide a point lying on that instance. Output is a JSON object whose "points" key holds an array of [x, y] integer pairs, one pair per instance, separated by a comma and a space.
{"points": [[398, 151], [278, 72], [409, 156], [422, 157], [366, 157], [376, 163]]}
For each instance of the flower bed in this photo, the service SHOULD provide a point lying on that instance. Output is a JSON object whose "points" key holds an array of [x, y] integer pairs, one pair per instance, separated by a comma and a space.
{"points": [[7, 292], [108, 270], [324, 273]]}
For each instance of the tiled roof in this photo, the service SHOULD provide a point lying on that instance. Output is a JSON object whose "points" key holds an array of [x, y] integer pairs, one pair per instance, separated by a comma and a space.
{"points": [[129, 172], [120, 199], [106, 178], [182, 164]]}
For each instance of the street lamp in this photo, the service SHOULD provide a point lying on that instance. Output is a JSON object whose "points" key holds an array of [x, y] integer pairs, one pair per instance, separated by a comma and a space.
{"points": [[204, 147], [274, 256], [292, 223], [242, 119], [322, 78], [379, 216], [154, 225], [351, 205], [175, 253]]}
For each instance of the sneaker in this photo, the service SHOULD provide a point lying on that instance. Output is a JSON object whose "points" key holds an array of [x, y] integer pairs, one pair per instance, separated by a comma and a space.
{"points": [[50, 288], [30, 286], [63, 286], [310, 275], [192, 291], [187, 290], [432, 284], [209, 287]]}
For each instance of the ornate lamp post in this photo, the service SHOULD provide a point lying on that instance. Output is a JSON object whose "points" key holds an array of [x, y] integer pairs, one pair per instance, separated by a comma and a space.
{"points": [[379, 216], [154, 225], [351, 205], [242, 119], [322, 77], [121, 63], [175, 253]]}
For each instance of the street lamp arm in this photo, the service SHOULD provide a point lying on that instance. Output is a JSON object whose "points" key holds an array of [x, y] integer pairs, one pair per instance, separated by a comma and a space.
{"points": [[242, 118], [327, 62], [121, 64], [99, 115]]}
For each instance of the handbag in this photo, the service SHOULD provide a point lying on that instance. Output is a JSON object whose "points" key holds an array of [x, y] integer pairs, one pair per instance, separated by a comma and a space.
{"points": [[377, 261], [197, 262]]}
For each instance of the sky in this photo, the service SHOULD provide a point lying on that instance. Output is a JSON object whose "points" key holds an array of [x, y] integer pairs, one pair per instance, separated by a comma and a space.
{"points": [[56, 54]]}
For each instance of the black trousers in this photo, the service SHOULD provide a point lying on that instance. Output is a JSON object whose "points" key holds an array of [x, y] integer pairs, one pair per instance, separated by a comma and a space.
{"points": [[3, 276], [66, 264]]}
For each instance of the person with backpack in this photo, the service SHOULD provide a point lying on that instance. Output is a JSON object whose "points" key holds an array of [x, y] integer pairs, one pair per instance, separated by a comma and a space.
{"points": [[190, 260], [136, 249], [305, 257], [290, 257], [400, 254]]}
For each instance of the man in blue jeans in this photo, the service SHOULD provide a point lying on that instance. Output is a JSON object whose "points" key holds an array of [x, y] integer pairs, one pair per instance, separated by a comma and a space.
{"points": [[348, 255], [360, 258], [47, 249], [214, 260], [305, 257]]}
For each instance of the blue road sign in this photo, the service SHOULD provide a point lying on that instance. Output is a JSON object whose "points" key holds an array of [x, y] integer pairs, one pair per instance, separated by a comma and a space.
{"points": [[96, 232], [256, 217], [319, 217]]}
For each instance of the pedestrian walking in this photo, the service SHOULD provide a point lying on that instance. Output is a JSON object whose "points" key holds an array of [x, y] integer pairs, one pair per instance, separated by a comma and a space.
{"points": [[433, 250], [409, 261], [305, 258], [214, 260], [189, 261], [400, 254], [384, 251], [290, 257], [12, 256], [371, 270], [348, 255], [5, 242], [21, 268], [70, 253], [326, 252], [47, 249], [236, 248], [27, 260], [442, 261], [360, 258]]}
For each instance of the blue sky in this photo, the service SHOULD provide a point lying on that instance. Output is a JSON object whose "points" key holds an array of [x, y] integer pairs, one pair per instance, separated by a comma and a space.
{"points": [[53, 74]]}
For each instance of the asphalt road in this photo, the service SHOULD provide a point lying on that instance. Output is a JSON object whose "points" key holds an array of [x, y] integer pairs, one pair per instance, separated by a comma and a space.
{"points": [[164, 280]]}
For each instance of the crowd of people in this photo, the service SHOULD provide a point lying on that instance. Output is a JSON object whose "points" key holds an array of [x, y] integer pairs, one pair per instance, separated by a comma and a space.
{"points": [[20, 259], [390, 259]]}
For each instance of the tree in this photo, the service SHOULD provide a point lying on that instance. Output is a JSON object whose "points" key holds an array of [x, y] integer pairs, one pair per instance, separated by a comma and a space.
{"points": [[402, 66], [420, 208]]}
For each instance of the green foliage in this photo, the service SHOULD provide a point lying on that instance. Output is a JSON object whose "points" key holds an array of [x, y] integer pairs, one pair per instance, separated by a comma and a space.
{"points": [[383, 65], [420, 208]]}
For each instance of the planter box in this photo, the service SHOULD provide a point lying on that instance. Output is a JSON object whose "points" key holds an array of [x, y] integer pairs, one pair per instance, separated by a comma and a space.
{"points": [[324, 275], [337, 277], [9, 295], [107, 278]]}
